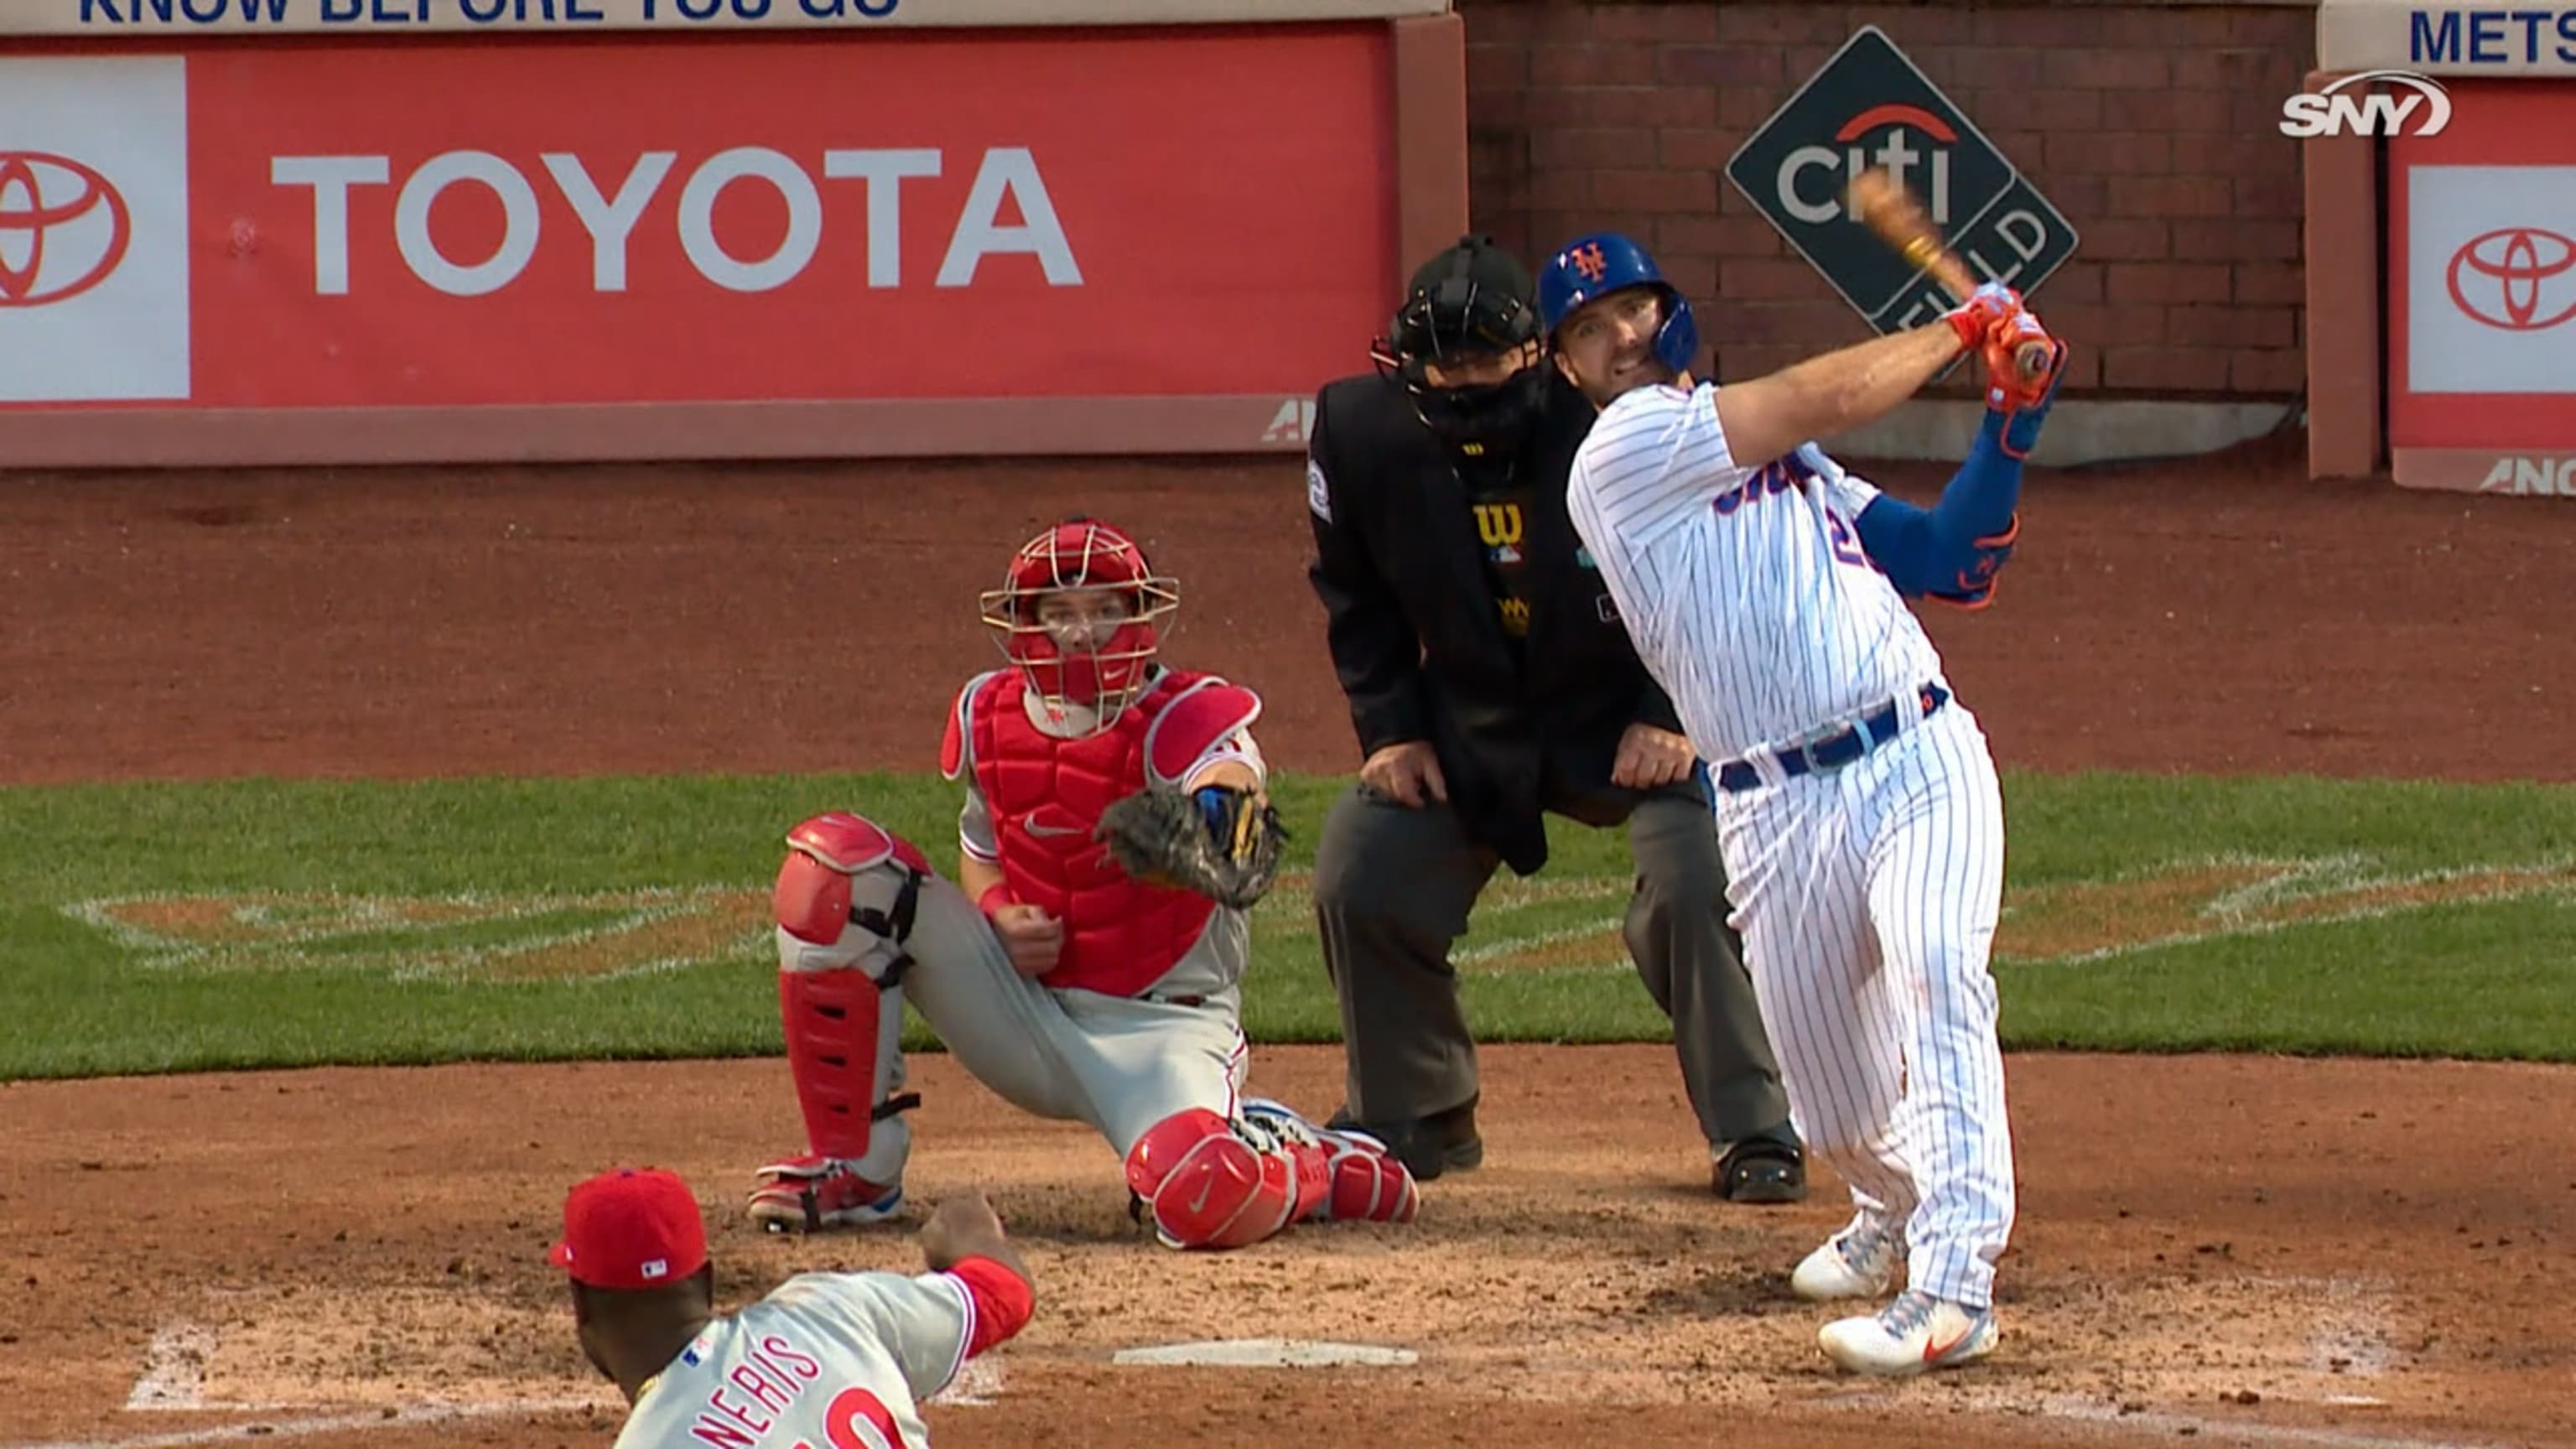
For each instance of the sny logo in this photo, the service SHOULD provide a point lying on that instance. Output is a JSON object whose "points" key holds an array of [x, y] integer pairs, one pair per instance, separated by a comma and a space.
{"points": [[2332, 112]]}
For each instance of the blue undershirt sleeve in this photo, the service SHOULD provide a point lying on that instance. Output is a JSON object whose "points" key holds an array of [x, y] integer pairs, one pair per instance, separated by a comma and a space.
{"points": [[1924, 549]]}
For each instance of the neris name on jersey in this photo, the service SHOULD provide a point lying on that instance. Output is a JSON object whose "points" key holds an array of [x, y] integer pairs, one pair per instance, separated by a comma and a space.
{"points": [[774, 1378], [771, 1379]]}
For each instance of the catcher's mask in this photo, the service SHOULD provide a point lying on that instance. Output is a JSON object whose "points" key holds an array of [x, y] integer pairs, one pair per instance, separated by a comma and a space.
{"points": [[1469, 314], [1081, 612]]}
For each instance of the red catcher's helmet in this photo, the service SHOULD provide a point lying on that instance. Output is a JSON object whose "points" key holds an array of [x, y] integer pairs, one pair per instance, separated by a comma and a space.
{"points": [[1098, 645]]}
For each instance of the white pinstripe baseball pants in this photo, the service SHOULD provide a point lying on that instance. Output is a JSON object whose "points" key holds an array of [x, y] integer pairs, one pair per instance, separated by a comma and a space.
{"points": [[1867, 898]]}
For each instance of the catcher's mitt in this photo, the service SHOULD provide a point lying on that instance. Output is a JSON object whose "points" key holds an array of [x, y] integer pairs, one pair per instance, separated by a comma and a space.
{"points": [[1217, 841]]}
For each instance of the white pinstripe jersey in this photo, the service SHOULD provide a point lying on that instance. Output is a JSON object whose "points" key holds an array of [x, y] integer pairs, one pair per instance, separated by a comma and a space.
{"points": [[1745, 590]]}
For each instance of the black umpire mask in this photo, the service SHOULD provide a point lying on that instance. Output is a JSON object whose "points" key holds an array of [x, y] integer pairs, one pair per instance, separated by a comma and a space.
{"points": [[1489, 418], [1469, 304]]}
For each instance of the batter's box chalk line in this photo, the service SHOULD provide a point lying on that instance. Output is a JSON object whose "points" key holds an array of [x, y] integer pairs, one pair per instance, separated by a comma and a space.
{"points": [[1266, 1353], [269, 1430], [2168, 1427], [174, 1370]]}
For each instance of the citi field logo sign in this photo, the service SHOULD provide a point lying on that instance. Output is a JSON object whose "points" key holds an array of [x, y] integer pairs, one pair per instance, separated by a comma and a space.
{"points": [[2515, 278], [2337, 110], [1890, 123], [63, 228]]}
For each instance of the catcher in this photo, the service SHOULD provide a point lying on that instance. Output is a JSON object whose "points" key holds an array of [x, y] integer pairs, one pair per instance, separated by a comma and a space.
{"points": [[1115, 830]]}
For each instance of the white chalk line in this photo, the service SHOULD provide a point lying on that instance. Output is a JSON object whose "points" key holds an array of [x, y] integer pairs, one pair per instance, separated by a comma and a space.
{"points": [[1537, 941], [2353, 1329], [2352, 1335], [174, 1381], [2167, 1426], [267, 1429], [174, 1368]]}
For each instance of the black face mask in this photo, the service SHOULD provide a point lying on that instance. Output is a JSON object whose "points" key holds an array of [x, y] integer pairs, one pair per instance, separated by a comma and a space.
{"points": [[1469, 304], [1477, 421]]}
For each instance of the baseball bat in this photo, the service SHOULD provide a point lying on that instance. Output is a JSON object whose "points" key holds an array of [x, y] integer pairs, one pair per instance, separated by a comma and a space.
{"points": [[1891, 212]]}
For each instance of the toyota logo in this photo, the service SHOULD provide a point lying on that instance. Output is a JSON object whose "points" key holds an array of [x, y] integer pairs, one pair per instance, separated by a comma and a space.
{"points": [[2497, 278], [63, 228]]}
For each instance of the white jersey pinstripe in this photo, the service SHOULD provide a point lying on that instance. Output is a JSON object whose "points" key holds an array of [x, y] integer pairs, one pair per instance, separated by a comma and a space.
{"points": [[1747, 586], [1867, 895]]}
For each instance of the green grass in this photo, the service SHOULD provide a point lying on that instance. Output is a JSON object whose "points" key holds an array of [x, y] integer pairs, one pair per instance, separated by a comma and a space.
{"points": [[2142, 913]]}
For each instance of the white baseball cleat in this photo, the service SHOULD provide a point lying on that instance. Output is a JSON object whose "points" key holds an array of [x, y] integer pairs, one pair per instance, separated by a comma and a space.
{"points": [[1858, 1262], [1914, 1333]]}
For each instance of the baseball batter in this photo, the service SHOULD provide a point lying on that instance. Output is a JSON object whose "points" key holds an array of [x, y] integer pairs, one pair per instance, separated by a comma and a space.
{"points": [[1857, 804], [825, 1361], [1057, 976]]}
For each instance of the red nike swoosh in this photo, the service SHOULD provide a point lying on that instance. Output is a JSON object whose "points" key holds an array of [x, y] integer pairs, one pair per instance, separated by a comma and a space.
{"points": [[1932, 1351]]}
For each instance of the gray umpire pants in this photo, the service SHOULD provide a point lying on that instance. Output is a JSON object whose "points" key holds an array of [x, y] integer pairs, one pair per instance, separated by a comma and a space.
{"points": [[1393, 887]]}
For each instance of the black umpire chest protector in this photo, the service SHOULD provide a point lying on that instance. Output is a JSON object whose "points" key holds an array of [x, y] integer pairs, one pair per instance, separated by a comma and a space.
{"points": [[1521, 723]]}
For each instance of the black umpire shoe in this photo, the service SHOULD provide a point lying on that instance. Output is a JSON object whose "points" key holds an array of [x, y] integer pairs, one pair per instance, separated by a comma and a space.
{"points": [[1761, 1170], [1427, 1146]]}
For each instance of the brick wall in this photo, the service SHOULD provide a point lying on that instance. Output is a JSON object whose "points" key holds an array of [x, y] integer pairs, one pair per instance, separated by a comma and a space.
{"points": [[2151, 126]]}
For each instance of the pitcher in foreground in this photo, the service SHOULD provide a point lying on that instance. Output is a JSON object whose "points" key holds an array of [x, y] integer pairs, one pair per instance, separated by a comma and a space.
{"points": [[1857, 804], [821, 1355]]}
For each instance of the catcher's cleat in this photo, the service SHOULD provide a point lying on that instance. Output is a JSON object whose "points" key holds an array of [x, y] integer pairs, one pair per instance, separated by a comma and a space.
{"points": [[811, 1194], [1427, 1146], [1761, 1170], [1355, 1178]]}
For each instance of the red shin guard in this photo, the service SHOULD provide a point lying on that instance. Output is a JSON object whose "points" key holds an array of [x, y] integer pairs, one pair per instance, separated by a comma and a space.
{"points": [[832, 1034]]}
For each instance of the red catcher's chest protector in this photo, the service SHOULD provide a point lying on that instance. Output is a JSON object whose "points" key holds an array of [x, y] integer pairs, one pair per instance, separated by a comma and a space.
{"points": [[1046, 796]]}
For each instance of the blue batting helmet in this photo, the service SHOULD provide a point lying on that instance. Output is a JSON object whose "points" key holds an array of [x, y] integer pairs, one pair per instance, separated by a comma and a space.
{"points": [[1606, 262]]}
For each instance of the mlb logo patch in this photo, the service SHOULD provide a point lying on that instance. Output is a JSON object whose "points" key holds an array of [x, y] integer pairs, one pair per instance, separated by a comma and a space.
{"points": [[657, 1268]]}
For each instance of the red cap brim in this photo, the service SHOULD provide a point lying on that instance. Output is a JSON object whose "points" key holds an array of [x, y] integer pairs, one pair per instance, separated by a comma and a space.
{"points": [[560, 1255]]}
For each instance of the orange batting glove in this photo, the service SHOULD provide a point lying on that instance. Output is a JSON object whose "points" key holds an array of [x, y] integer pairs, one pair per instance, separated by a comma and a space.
{"points": [[2021, 398], [1974, 318]]}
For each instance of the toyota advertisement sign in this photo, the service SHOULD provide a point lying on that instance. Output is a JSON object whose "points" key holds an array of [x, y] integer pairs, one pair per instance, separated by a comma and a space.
{"points": [[94, 225], [2500, 279], [953, 227], [2482, 296]]}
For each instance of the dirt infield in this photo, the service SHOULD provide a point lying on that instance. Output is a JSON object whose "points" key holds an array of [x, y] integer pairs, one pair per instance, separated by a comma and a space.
{"points": [[2343, 1255]]}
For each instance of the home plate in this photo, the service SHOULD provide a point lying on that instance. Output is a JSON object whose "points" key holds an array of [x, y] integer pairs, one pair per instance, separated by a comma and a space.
{"points": [[975, 1384], [1266, 1353]]}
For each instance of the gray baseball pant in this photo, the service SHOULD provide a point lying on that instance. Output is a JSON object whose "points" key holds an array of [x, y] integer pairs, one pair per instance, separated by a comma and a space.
{"points": [[1393, 888]]}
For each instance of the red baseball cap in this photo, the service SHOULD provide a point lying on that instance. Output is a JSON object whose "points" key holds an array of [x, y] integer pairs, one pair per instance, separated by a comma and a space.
{"points": [[631, 1228]]}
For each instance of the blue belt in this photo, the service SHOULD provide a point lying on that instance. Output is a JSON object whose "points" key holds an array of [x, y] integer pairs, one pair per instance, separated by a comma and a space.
{"points": [[1834, 750]]}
